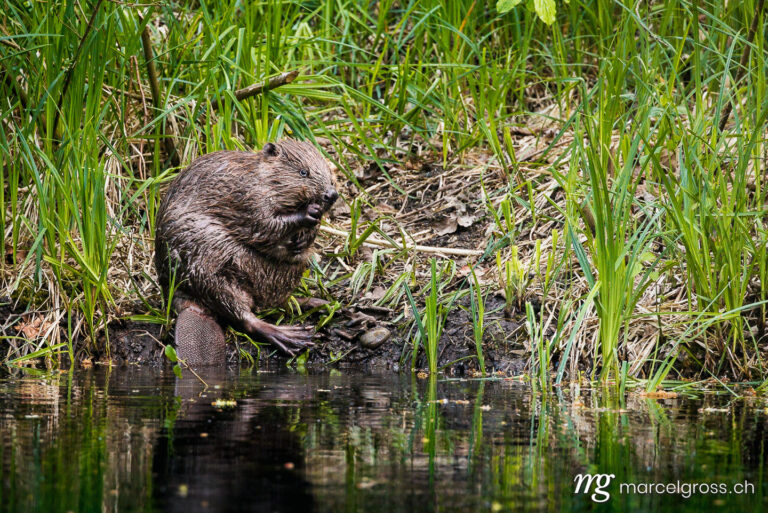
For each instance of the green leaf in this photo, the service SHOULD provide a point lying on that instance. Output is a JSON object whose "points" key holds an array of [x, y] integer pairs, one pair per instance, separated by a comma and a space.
{"points": [[170, 353], [177, 370], [546, 10], [506, 5]]}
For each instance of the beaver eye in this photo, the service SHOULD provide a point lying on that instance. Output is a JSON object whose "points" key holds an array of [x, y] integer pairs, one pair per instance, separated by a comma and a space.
{"points": [[303, 172]]}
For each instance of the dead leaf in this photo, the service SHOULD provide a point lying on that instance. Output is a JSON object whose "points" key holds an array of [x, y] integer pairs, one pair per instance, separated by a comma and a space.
{"points": [[385, 208], [545, 118], [465, 221], [340, 208], [375, 294], [446, 226], [35, 328], [367, 172], [454, 203]]}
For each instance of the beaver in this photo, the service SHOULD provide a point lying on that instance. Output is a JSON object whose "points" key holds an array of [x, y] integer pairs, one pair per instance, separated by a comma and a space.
{"points": [[233, 233]]}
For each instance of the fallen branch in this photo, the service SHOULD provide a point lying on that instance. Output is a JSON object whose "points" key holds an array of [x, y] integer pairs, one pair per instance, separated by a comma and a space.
{"points": [[377, 243], [7, 76], [258, 88], [13, 84], [154, 87], [742, 62]]}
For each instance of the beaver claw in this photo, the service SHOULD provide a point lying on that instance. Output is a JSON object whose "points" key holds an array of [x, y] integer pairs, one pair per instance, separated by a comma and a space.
{"points": [[309, 303], [312, 215], [315, 211], [291, 339], [304, 218]]}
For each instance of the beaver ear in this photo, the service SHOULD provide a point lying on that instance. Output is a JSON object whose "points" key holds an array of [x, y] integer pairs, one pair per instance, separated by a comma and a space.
{"points": [[271, 150]]}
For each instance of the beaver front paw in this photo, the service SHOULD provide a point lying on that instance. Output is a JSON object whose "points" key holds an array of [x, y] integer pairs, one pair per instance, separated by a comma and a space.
{"points": [[311, 216]]}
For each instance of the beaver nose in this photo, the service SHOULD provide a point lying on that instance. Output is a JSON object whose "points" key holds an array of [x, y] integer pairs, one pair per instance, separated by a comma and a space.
{"points": [[330, 196]]}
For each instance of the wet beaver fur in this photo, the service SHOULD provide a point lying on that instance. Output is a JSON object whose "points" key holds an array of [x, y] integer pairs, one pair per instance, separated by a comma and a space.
{"points": [[234, 233]]}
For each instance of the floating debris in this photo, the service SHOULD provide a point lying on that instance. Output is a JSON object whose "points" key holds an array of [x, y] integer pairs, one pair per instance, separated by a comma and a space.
{"points": [[224, 403]]}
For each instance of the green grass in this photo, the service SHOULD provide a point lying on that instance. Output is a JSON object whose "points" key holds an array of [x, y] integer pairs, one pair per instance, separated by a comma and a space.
{"points": [[597, 135], [477, 302]]}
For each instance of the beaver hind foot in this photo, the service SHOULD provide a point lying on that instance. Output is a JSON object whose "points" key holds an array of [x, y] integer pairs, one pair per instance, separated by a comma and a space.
{"points": [[290, 339], [199, 337]]}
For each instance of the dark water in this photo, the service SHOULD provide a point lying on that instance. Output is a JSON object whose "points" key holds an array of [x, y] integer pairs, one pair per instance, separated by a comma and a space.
{"points": [[137, 440]]}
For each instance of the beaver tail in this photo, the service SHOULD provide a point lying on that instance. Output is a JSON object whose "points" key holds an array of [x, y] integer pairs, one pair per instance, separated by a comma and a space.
{"points": [[199, 337]]}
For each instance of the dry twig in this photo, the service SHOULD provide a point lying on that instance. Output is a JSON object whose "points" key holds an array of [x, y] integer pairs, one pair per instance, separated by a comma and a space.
{"points": [[154, 86], [742, 62], [258, 88], [377, 243]]}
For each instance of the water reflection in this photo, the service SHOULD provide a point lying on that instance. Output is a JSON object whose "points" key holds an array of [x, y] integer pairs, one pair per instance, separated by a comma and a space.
{"points": [[138, 440]]}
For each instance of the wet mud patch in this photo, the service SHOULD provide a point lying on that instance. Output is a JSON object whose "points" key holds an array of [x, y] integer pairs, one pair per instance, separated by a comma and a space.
{"points": [[366, 336], [361, 337], [135, 342]]}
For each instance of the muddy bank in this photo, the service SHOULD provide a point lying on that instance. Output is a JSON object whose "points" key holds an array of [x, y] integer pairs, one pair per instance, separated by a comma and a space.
{"points": [[363, 336]]}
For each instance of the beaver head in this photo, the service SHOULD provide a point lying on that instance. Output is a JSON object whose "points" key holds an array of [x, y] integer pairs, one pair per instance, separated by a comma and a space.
{"points": [[300, 186]]}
